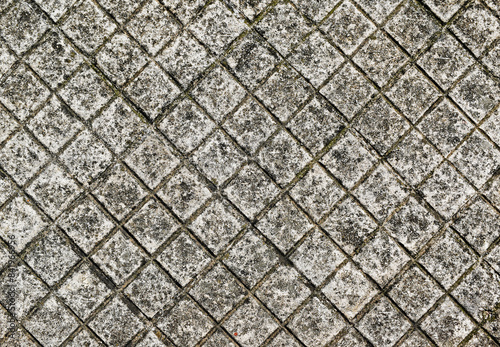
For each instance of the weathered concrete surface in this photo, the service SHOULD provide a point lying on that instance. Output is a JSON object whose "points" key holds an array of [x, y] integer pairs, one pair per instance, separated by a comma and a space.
{"points": [[250, 173]]}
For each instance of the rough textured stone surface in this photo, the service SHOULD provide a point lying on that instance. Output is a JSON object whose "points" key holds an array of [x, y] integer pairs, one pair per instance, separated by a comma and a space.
{"points": [[274, 173]]}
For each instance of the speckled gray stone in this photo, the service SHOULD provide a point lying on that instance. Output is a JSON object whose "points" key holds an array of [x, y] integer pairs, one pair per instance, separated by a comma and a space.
{"points": [[252, 173]]}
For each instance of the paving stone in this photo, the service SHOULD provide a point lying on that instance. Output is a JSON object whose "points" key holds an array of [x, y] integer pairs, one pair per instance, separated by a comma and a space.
{"points": [[22, 157], [86, 224], [480, 339], [316, 59], [349, 225], [317, 257], [378, 11], [218, 224], [283, 340], [186, 126], [120, 193], [22, 291], [348, 27], [253, 60], [414, 158], [283, 27], [54, 59], [185, 324], [477, 94], [153, 26], [153, 160], [446, 191], [351, 339], [151, 290], [493, 192], [349, 290], [250, 125], [251, 258], [381, 192], [54, 125], [380, 58], [250, 8], [348, 160], [316, 192], [381, 125], [20, 223], [316, 125], [447, 259], [225, 172], [185, 193], [315, 9], [389, 262], [217, 27], [88, 26], [383, 325], [444, 9], [119, 126], [119, 258], [120, 58], [477, 158], [55, 8], [479, 225], [219, 339], [284, 92], [183, 259], [121, 9], [284, 224], [86, 92], [51, 257], [250, 324], [7, 59], [447, 324], [251, 190], [477, 28], [152, 225], [494, 258], [86, 157], [413, 94], [153, 91], [116, 324], [413, 225], [83, 291], [219, 93], [316, 323], [491, 60], [412, 26], [445, 61], [23, 26], [349, 91], [283, 158], [218, 292], [85, 339], [479, 291], [416, 339], [492, 326], [53, 190], [7, 125], [218, 158], [22, 93], [185, 58], [491, 126], [283, 291], [19, 336], [52, 323], [416, 292], [445, 127], [6, 189]]}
